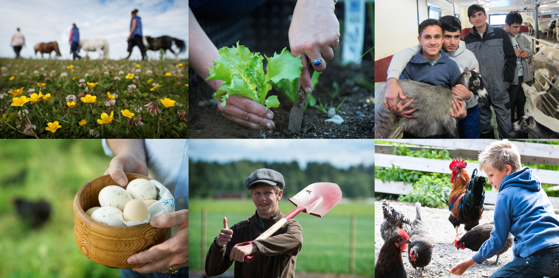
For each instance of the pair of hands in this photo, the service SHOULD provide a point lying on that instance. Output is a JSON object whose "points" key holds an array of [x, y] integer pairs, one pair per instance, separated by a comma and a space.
{"points": [[238, 253], [314, 33], [521, 54], [399, 108]]}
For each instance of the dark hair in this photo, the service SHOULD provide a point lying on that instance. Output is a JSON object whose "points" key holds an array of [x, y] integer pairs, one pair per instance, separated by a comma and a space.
{"points": [[474, 9], [135, 11], [513, 17], [18, 28], [450, 23], [426, 23]]}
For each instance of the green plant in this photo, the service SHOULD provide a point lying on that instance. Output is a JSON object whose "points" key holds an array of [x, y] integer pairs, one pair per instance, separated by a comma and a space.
{"points": [[423, 153], [289, 87], [339, 106], [429, 191], [395, 173]]}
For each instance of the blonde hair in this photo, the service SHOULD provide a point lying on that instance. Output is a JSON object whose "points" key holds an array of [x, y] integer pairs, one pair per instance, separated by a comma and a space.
{"points": [[498, 155]]}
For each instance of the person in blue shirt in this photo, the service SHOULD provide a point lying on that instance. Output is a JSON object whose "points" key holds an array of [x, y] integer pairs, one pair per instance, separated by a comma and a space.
{"points": [[136, 37], [75, 41], [168, 162], [522, 209]]}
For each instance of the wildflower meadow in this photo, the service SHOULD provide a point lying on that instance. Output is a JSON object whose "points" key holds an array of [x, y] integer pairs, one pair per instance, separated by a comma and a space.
{"points": [[93, 98]]}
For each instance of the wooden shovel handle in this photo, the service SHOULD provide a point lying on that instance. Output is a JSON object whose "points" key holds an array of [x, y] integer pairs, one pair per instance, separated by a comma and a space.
{"points": [[264, 235]]}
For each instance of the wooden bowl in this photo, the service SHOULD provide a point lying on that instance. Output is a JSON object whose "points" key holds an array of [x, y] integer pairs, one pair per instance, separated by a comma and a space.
{"points": [[107, 245]]}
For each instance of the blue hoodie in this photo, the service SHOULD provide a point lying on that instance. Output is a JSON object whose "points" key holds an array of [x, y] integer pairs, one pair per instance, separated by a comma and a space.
{"points": [[523, 209], [444, 72]]}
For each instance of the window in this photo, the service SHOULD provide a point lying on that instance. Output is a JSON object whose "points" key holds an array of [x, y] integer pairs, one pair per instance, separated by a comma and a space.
{"points": [[497, 19], [434, 12]]}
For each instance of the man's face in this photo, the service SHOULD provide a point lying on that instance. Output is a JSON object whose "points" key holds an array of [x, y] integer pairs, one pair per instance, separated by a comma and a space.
{"points": [[495, 176], [451, 41], [512, 29], [478, 19], [431, 40], [266, 200]]}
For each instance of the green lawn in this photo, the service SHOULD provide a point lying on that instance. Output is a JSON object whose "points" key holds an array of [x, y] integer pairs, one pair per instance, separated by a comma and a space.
{"points": [[326, 245]]}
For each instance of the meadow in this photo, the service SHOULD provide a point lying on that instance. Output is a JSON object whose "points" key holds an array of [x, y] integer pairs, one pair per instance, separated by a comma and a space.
{"points": [[326, 244], [93, 98]]}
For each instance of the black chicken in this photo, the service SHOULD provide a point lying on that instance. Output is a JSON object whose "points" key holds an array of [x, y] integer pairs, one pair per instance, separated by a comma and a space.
{"points": [[389, 263], [34, 213], [477, 236], [393, 221], [421, 245]]}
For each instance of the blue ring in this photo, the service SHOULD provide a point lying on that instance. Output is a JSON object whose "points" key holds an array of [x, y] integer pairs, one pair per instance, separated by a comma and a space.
{"points": [[317, 62]]}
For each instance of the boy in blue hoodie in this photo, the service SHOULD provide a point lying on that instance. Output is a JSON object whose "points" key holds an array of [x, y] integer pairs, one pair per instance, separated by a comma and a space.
{"points": [[523, 209]]}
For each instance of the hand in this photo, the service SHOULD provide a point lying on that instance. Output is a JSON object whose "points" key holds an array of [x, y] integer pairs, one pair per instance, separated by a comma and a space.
{"points": [[314, 33], [247, 112], [225, 235], [401, 108], [459, 110], [391, 93], [461, 92], [130, 158], [238, 253], [517, 52], [524, 54], [461, 267], [172, 252]]}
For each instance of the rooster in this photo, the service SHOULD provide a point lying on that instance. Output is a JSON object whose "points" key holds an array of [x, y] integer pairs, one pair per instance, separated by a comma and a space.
{"points": [[393, 221], [477, 236], [389, 263], [421, 245], [465, 201]]}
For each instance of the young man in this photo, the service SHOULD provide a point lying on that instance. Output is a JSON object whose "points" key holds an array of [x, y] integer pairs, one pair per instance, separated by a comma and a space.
{"points": [[275, 256], [75, 41], [456, 50], [522, 72], [495, 54], [522, 209]]}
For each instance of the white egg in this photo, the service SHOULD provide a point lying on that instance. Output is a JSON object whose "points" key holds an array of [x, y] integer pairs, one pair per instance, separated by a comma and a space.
{"points": [[90, 211], [142, 189], [135, 210], [102, 214], [149, 202], [114, 196]]}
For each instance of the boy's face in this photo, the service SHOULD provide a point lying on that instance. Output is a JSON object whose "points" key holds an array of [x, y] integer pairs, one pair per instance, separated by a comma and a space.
{"points": [[266, 200], [431, 40], [512, 29], [495, 176], [451, 41], [478, 19]]}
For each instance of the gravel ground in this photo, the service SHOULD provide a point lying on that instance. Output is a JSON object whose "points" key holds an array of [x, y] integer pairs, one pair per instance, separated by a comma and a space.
{"points": [[442, 232]]}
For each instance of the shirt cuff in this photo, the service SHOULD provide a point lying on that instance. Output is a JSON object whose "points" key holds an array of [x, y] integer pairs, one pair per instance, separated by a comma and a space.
{"points": [[108, 151], [478, 258]]}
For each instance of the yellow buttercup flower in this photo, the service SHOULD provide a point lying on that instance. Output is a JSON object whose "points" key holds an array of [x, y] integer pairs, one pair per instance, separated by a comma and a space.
{"points": [[36, 97], [73, 78], [149, 81], [186, 85], [92, 85], [127, 113], [83, 122], [52, 127], [71, 104], [110, 96], [12, 78], [168, 74], [89, 98], [130, 76], [16, 92], [71, 67], [105, 119], [180, 65], [138, 66], [47, 97], [41, 85], [155, 88], [19, 101], [168, 102]]}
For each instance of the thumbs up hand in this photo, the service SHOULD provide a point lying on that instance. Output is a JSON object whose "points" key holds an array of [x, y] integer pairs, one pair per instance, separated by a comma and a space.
{"points": [[225, 235]]}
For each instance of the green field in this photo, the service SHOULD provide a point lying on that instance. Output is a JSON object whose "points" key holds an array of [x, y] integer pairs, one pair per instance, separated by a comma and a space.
{"points": [[326, 244], [56, 170]]}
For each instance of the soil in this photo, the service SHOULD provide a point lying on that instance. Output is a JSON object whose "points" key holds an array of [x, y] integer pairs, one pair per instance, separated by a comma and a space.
{"points": [[229, 274], [206, 121]]}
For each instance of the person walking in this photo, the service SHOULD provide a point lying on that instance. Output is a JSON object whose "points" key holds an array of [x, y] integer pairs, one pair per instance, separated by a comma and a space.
{"points": [[135, 37], [75, 41], [18, 41]]}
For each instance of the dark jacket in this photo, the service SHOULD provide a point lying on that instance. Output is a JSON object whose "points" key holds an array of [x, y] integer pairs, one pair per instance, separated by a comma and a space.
{"points": [[276, 255], [444, 72]]}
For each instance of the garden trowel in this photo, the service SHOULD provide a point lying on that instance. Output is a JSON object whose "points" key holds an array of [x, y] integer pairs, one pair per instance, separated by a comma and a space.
{"points": [[316, 199], [296, 113]]}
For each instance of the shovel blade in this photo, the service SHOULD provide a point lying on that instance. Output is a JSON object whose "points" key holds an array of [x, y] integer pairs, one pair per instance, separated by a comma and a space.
{"points": [[295, 119], [318, 198]]}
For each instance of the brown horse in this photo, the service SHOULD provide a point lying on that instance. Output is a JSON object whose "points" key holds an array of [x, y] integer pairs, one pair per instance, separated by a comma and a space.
{"points": [[47, 48]]}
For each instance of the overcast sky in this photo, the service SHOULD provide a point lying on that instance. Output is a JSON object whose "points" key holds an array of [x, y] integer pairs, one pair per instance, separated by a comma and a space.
{"points": [[45, 21], [342, 153]]}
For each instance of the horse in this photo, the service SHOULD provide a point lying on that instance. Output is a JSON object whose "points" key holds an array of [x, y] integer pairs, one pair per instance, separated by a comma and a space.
{"points": [[95, 45], [47, 48], [163, 42]]}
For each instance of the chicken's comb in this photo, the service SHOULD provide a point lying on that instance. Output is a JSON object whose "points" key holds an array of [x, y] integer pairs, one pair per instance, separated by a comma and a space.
{"points": [[456, 242], [457, 162], [403, 233]]}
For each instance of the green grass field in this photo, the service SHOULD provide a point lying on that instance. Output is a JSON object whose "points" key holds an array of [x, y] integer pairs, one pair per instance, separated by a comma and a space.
{"points": [[326, 244], [56, 170]]}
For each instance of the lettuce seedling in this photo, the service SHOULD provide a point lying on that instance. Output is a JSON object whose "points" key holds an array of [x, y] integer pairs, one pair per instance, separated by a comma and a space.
{"points": [[243, 73]]}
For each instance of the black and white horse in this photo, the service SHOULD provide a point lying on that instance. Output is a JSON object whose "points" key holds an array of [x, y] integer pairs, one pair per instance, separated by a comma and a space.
{"points": [[163, 42]]}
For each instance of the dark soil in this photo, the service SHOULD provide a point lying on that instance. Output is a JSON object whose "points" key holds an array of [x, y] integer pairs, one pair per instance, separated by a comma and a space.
{"points": [[206, 121]]}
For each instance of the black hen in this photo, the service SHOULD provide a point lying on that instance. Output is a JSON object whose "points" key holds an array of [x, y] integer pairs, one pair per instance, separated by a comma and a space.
{"points": [[393, 221], [34, 213], [477, 236], [389, 263], [420, 248]]}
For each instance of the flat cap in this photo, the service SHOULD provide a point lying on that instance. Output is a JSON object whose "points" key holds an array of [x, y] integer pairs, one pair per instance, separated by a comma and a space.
{"points": [[264, 175]]}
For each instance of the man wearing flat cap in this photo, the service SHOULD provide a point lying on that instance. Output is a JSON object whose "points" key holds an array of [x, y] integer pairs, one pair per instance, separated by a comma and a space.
{"points": [[274, 256]]}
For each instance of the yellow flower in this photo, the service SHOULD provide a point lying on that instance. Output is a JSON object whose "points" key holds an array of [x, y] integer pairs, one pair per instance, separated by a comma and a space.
{"points": [[19, 101], [92, 85], [180, 65], [105, 119], [168, 74], [138, 66], [149, 81], [168, 102], [186, 84], [16, 92], [47, 97], [71, 104], [36, 97], [155, 88], [12, 78], [52, 127], [89, 98], [130, 76], [71, 67], [83, 122], [127, 113], [73, 78], [41, 85], [110, 96]]}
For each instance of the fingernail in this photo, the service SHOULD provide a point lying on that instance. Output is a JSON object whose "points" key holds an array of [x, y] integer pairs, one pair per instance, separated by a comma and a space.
{"points": [[308, 90], [269, 125], [121, 181], [130, 261], [270, 116]]}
